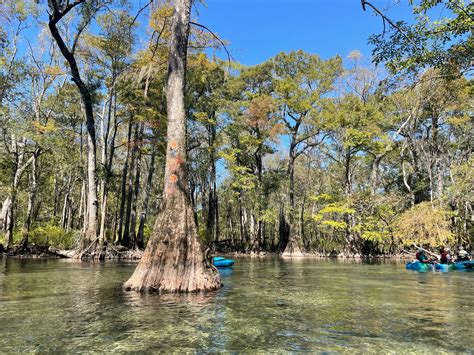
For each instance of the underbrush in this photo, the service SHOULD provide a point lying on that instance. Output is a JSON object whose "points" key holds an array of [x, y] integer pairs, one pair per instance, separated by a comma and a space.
{"points": [[51, 235]]}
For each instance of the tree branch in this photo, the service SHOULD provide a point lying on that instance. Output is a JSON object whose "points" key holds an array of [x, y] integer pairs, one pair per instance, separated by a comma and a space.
{"points": [[229, 57], [68, 55], [385, 18], [138, 14], [58, 14]]}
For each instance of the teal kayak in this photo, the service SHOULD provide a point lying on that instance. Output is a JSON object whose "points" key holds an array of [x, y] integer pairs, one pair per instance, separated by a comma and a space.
{"points": [[420, 267], [445, 267], [220, 261], [464, 265], [423, 267]]}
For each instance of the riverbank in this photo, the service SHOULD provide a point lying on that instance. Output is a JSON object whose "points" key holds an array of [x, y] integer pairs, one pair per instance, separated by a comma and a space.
{"points": [[109, 253], [341, 256], [118, 253]]}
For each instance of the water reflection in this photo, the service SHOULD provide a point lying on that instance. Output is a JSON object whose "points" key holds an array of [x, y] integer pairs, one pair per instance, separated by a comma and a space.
{"points": [[225, 272], [266, 304]]}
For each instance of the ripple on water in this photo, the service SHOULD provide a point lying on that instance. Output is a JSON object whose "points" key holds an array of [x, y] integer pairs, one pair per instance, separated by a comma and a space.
{"points": [[265, 305]]}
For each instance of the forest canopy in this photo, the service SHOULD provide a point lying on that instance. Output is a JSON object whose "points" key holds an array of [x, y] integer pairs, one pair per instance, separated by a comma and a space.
{"points": [[297, 154]]}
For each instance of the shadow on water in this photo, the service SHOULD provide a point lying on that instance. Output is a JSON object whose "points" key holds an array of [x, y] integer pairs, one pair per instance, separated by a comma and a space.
{"points": [[266, 304]]}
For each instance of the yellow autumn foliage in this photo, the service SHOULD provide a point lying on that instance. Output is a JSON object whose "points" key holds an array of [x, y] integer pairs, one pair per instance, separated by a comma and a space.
{"points": [[424, 224]]}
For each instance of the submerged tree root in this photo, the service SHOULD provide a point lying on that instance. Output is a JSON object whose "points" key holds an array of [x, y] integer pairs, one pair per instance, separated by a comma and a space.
{"points": [[292, 250], [95, 252]]}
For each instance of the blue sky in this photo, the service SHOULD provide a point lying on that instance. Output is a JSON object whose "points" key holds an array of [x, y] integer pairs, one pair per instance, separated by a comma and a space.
{"points": [[259, 29]]}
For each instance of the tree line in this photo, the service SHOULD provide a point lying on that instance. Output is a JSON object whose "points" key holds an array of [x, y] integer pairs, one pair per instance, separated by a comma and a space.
{"points": [[298, 154]]}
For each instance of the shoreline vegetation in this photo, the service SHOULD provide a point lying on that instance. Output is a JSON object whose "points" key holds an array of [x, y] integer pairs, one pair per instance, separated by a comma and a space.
{"points": [[123, 254], [123, 136]]}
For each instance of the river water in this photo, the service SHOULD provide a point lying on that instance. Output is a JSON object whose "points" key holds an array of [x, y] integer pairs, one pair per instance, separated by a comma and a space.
{"points": [[265, 305]]}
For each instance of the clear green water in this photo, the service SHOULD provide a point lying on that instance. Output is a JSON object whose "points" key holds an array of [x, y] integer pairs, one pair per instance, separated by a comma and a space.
{"points": [[266, 305]]}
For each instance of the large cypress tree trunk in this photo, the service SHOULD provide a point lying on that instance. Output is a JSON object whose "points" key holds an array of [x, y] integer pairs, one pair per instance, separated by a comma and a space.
{"points": [[174, 260]]}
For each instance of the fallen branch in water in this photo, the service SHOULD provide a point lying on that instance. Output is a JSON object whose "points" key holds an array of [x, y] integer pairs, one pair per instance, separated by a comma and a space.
{"points": [[408, 252], [62, 253]]}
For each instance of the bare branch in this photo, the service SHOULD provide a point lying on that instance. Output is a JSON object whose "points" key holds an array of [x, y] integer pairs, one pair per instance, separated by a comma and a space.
{"points": [[158, 38], [229, 57], [138, 14], [385, 18], [79, 32]]}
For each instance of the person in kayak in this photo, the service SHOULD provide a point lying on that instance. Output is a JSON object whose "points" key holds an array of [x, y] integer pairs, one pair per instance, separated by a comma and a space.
{"points": [[445, 257], [421, 256], [462, 255]]}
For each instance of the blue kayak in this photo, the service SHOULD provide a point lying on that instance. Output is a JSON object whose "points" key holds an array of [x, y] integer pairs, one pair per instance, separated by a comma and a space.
{"points": [[445, 267], [220, 261], [420, 267], [464, 265], [423, 267]]}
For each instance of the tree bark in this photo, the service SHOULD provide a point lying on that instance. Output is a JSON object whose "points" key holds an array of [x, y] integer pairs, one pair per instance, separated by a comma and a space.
{"points": [[8, 208], [212, 222], [123, 189], [136, 188], [4, 214], [103, 137], [374, 175], [174, 260], [33, 188], [146, 200], [127, 237], [293, 246], [107, 159]]}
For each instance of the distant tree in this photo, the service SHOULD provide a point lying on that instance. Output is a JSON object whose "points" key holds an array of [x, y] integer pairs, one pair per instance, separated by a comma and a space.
{"points": [[424, 224], [252, 127], [57, 11], [301, 80]]}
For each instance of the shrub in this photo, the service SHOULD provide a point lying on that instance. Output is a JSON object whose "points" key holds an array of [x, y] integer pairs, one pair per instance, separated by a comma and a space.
{"points": [[424, 224], [51, 235]]}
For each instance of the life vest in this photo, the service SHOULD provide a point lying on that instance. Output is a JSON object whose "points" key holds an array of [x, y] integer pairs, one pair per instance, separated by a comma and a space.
{"points": [[444, 257], [421, 257]]}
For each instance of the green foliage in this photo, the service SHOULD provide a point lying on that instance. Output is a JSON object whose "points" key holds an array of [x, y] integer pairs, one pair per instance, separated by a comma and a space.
{"points": [[332, 216], [337, 225], [424, 225], [147, 232], [321, 197], [442, 42], [363, 148], [51, 235], [463, 188]]}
